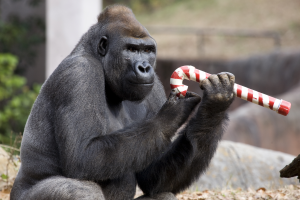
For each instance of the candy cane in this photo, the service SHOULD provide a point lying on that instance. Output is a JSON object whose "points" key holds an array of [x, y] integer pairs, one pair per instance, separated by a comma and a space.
{"points": [[191, 73]]}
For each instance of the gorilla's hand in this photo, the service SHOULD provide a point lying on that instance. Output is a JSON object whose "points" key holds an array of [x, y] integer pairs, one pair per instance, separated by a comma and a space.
{"points": [[218, 92], [177, 110]]}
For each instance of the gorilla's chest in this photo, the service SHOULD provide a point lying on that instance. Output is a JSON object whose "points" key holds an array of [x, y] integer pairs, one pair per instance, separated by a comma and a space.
{"points": [[124, 114]]}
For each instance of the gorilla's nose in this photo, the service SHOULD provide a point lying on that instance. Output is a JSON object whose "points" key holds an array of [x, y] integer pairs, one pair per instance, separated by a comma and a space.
{"points": [[144, 72]]}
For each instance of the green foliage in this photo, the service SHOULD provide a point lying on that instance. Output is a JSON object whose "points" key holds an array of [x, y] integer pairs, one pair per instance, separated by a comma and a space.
{"points": [[20, 36], [139, 6], [4, 176], [16, 37], [16, 98]]}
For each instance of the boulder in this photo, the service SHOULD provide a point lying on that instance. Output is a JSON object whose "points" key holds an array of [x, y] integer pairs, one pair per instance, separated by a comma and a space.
{"points": [[237, 165], [9, 167], [261, 127]]}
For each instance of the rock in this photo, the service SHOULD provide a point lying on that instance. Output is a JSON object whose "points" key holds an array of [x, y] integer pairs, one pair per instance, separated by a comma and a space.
{"points": [[261, 127], [8, 169], [237, 165]]}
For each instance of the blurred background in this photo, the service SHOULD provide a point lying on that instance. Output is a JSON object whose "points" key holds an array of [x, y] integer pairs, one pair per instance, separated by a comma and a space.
{"points": [[258, 41]]}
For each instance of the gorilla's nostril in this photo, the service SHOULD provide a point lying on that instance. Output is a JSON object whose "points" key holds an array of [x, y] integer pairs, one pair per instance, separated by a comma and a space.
{"points": [[142, 69], [147, 69]]}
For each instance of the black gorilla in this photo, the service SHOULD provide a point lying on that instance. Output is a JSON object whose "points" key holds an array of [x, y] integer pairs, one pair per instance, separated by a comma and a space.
{"points": [[102, 124]]}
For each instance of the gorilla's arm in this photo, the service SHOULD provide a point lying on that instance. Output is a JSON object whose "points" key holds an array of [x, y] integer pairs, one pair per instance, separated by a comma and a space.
{"points": [[191, 152], [87, 150], [187, 158]]}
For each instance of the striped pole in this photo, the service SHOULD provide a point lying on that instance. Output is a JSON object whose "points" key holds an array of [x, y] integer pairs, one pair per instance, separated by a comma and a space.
{"points": [[189, 72]]}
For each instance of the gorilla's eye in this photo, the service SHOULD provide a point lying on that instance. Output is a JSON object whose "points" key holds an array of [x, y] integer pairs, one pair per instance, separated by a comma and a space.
{"points": [[147, 50], [132, 49]]}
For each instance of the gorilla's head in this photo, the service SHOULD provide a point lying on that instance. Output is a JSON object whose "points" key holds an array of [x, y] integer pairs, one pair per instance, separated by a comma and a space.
{"points": [[127, 53]]}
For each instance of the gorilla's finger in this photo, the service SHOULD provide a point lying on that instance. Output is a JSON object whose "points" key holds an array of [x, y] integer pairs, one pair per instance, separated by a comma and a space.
{"points": [[181, 97], [172, 96], [205, 84], [224, 79], [193, 95], [214, 79], [231, 78]]}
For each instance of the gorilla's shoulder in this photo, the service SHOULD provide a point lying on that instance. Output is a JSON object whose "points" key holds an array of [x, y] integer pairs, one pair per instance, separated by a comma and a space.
{"points": [[77, 67], [75, 62], [76, 73]]}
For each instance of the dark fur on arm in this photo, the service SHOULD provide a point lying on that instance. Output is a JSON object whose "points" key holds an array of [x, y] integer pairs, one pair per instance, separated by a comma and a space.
{"points": [[188, 157]]}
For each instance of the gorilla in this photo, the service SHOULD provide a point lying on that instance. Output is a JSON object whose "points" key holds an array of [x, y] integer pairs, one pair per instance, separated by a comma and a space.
{"points": [[102, 124]]}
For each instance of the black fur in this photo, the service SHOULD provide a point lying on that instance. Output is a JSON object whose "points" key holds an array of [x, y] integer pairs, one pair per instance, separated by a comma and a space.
{"points": [[102, 123]]}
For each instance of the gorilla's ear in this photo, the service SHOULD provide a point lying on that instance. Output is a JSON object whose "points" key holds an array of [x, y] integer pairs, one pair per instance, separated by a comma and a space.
{"points": [[102, 46]]}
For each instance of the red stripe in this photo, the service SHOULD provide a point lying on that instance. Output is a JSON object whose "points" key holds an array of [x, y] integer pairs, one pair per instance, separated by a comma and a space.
{"points": [[260, 99], [175, 76], [250, 95], [207, 75], [175, 86], [186, 70], [284, 108], [239, 91], [197, 75], [183, 93], [271, 102]]}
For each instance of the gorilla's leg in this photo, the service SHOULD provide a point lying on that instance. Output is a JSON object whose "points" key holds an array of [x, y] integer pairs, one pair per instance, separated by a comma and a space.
{"points": [[161, 196], [66, 189]]}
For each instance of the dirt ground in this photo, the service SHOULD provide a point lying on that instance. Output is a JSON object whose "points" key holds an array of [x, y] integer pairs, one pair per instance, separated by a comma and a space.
{"points": [[291, 192]]}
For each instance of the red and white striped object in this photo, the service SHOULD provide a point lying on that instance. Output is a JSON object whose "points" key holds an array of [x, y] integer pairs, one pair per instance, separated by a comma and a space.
{"points": [[189, 72]]}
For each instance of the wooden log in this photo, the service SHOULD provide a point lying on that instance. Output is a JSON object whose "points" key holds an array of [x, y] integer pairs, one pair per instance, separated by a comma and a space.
{"points": [[291, 170]]}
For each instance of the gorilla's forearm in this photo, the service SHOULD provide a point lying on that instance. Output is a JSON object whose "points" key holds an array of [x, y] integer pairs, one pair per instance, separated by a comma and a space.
{"points": [[188, 157], [128, 150]]}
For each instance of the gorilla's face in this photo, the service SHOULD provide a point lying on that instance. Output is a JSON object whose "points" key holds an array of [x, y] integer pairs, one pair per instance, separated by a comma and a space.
{"points": [[129, 65]]}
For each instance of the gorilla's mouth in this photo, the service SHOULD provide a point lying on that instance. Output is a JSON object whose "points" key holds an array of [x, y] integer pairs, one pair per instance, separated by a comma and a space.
{"points": [[141, 83]]}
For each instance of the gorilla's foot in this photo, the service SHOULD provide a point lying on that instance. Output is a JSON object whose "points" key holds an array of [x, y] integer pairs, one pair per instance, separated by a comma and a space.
{"points": [[65, 189]]}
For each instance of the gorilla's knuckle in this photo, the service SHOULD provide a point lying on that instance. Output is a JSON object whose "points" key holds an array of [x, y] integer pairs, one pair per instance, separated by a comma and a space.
{"points": [[213, 77]]}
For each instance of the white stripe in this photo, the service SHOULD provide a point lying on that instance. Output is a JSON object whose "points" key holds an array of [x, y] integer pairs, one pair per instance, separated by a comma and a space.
{"points": [[180, 73], [276, 105], [279, 105], [266, 101], [181, 89], [235, 89], [184, 75], [255, 97], [192, 73], [244, 94], [174, 81], [202, 75]]}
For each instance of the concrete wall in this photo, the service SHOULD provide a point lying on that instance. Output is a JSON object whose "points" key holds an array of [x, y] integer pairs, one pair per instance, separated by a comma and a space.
{"points": [[67, 21]]}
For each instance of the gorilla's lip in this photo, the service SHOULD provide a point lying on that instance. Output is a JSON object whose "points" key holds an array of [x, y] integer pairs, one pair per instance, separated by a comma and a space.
{"points": [[143, 84]]}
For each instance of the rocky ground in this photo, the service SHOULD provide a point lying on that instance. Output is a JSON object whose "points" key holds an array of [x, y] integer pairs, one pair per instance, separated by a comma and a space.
{"points": [[291, 192], [283, 190]]}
